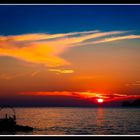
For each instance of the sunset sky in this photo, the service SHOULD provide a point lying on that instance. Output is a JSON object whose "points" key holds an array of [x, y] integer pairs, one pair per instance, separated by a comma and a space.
{"points": [[69, 51]]}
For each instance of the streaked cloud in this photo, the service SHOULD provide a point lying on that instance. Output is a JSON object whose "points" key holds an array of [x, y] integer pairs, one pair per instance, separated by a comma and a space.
{"points": [[46, 49], [41, 36], [136, 83], [65, 71], [85, 95], [44, 93], [111, 39], [117, 38], [33, 74], [5, 76]]}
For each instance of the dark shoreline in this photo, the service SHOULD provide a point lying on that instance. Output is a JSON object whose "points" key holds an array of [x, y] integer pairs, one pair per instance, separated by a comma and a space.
{"points": [[69, 107]]}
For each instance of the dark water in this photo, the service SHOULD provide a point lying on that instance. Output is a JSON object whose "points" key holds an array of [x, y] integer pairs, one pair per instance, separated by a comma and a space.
{"points": [[80, 121]]}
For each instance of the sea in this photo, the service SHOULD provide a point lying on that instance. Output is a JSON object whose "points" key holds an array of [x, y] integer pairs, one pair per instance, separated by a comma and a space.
{"points": [[78, 121]]}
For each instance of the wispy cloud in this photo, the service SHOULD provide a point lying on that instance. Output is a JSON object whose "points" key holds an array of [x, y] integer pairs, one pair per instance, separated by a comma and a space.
{"points": [[136, 83], [117, 38], [93, 96], [46, 49], [111, 39], [64, 71], [33, 74], [55, 93], [5, 76]]}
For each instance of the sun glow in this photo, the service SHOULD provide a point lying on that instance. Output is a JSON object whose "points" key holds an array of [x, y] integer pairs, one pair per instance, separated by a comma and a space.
{"points": [[100, 100]]}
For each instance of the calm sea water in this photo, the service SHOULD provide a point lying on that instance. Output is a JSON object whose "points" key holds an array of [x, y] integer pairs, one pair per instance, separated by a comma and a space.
{"points": [[80, 121]]}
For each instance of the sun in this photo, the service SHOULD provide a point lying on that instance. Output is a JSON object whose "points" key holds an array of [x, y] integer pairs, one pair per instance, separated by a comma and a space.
{"points": [[100, 100]]}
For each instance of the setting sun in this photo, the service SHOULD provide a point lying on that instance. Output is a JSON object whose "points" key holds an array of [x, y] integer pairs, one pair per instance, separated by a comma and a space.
{"points": [[100, 100]]}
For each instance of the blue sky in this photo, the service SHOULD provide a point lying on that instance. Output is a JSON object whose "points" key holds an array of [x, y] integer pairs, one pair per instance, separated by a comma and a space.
{"points": [[58, 19]]}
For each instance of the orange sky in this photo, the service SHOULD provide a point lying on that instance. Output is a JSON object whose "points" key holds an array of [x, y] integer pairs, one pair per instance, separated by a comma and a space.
{"points": [[88, 64]]}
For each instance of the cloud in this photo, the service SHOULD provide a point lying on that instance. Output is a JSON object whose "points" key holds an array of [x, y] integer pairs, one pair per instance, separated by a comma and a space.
{"points": [[63, 93], [47, 93], [117, 38], [33, 74], [65, 71], [41, 36], [5, 76], [111, 39], [136, 83], [93, 96], [46, 49]]}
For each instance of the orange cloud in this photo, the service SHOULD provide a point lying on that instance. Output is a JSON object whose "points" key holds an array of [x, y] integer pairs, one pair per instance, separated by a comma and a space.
{"points": [[5, 77], [9, 77], [55, 93], [34, 73], [136, 83], [46, 49], [65, 71], [93, 96]]}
